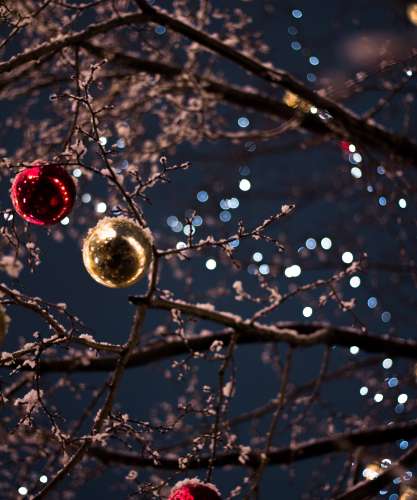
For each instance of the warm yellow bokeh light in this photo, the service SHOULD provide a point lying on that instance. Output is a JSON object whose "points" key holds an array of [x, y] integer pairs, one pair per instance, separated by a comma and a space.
{"points": [[408, 494], [412, 13], [117, 252], [294, 101], [372, 471]]}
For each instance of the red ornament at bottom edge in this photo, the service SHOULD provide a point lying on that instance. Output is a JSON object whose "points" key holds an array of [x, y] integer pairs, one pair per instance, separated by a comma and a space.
{"points": [[43, 194], [193, 489]]}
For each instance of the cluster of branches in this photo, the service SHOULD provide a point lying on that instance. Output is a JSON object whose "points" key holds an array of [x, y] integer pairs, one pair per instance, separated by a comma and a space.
{"points": [[91, 65]]}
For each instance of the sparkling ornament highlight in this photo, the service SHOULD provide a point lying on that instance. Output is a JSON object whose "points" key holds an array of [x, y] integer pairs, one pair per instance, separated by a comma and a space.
{"points": [[4, 324], [43, 194], [117, 252], [194, 489]]}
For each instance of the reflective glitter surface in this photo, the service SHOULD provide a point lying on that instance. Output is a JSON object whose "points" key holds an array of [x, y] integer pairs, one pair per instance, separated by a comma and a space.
{"points": [[116, 252], [43, 194]]}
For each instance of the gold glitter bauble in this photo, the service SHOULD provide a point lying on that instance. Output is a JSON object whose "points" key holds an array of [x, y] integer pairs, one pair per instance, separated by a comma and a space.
{"points": [[117, 252], [4, 324]]}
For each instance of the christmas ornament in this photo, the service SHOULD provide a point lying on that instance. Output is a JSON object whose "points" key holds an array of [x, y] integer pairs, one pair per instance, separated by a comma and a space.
{"points": [[43, 194], [117, 252], [194, 489], [4, 324]]}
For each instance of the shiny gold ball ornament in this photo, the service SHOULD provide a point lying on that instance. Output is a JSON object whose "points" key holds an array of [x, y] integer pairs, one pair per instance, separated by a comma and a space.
{"points": [[117, 252], [4, 324]]}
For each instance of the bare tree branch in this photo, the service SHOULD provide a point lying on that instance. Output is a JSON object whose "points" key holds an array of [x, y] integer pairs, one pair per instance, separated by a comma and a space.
{"points": [[339, 443]]}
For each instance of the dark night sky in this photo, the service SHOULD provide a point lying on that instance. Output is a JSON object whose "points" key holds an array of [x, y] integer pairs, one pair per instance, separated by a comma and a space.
{"points": [[330, 203]]}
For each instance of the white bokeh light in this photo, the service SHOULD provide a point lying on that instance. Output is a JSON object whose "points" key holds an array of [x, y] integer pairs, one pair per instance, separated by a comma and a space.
{"points": [[244, 185], [292, 271], [402, 398], [311, 243], [257, 256], [387, 363], [347, 257], [264, 269], [307, 312], [326, 243], [363, 391], [211, 264], [355, 282], [101, 207]]}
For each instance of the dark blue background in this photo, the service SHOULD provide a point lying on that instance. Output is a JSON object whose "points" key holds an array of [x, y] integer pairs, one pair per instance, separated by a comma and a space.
{"points": [[329, 202]]}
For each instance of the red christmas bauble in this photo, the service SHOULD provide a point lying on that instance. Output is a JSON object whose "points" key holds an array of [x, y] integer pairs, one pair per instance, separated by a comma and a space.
{"points": [[43, 194], [193, 489]]}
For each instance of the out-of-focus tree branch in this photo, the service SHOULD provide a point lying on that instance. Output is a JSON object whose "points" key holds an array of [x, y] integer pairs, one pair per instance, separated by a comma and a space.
{"points": [[343, 121], [75, 38], [367, 489], [338, 443]]}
